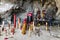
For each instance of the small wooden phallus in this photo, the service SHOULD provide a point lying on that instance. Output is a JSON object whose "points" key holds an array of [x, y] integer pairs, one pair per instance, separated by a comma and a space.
{"points": [[46, 26], [18, 23], [24, 28]]}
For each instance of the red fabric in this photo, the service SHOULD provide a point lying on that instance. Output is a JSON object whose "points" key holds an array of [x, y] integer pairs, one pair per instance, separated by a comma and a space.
{"points": [[13, 30], [14, 21], [29, 14]]}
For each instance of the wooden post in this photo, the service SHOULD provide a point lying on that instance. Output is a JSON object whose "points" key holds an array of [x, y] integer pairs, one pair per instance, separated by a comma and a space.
{"points": [[33, 25], [29, 31], [29, 34], [46, 26], [30, 28], [9, 24], [18, 23], [24, 28]]}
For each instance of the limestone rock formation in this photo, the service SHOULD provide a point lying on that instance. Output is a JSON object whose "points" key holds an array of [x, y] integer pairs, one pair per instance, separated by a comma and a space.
{"points": [[58, 5]]}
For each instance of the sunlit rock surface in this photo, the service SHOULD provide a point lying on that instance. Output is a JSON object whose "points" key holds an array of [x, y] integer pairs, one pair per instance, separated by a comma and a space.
{"points": [[4, 7], [58, 5]]}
